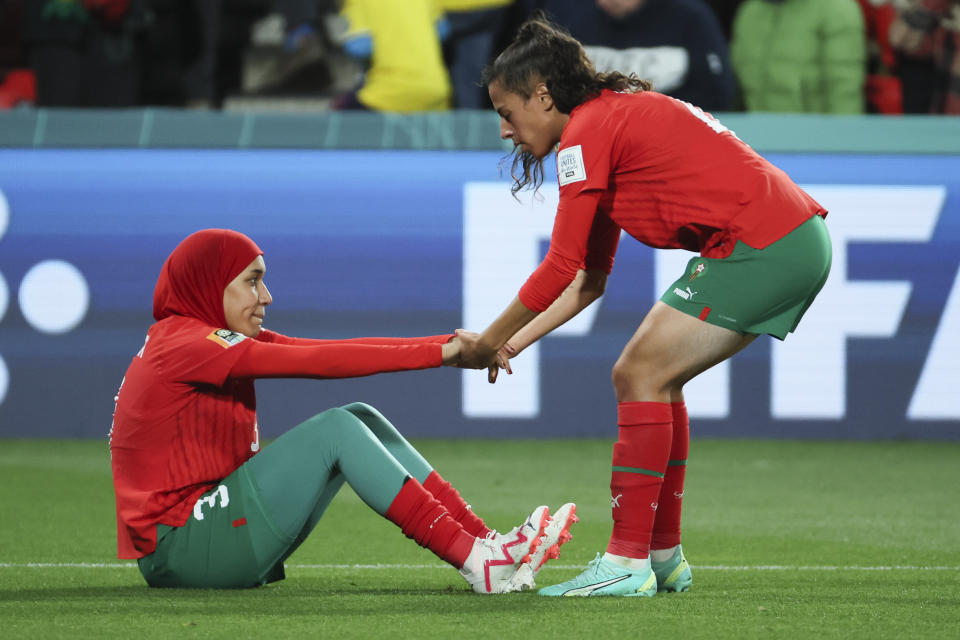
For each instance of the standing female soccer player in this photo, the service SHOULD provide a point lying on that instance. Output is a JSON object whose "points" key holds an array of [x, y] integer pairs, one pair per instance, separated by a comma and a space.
{"points": [[198, 503], [671, 176]]}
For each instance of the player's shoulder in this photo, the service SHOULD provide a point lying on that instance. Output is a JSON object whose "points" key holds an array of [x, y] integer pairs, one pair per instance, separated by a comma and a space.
{"points": [[177, 332], [179, 347], [613, 115], [633, 100], [607, 108], [628, 109], [653, 103]]}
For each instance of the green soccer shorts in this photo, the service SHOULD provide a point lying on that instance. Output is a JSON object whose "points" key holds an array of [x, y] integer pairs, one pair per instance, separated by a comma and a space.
{"points": [[756, 291]]}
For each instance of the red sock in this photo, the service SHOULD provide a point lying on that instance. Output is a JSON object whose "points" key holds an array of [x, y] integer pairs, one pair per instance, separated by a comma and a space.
{"points": [[458, 508], [666, 526], [639, 464], [421, 517]]}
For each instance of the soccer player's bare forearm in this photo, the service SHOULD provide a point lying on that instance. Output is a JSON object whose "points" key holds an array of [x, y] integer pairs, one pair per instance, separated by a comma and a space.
{"points": [[586, 288]]}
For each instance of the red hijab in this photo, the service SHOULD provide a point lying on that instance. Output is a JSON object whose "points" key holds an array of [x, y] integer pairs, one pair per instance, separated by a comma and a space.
{"points": [[193, 278]]}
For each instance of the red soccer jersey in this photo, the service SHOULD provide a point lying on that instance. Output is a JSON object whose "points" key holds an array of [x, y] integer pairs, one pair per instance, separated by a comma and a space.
{"points": [[669, 175], [186, 418]]}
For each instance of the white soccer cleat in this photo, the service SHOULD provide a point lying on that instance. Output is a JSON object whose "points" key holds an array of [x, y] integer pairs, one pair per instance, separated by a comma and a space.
{"points": [[555, 535], [495, 561]]}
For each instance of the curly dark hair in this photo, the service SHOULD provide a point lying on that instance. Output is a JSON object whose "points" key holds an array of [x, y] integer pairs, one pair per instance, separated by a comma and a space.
{"points": [[545, 52]]}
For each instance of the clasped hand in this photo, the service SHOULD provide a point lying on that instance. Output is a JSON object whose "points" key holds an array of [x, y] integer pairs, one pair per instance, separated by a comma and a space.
{"points": [[467, 351]]}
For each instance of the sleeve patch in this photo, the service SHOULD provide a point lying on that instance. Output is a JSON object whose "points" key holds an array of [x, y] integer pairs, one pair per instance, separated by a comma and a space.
{"points": [[226, 338], [570, 165]]}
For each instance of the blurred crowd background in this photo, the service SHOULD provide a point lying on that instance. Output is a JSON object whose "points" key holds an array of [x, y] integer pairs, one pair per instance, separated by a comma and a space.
{"points": [[796, 56]]}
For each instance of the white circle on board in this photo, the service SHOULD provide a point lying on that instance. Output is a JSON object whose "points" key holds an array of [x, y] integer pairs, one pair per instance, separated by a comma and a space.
{"points": [[4, 379], [54, 296]]}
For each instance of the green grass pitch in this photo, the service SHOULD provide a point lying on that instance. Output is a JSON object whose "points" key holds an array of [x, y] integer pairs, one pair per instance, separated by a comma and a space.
{"points": [[787, 539]]}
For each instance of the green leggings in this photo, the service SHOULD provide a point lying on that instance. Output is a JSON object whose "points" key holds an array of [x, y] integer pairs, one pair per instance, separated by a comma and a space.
{"points": [[301, 471], [263, 511]]}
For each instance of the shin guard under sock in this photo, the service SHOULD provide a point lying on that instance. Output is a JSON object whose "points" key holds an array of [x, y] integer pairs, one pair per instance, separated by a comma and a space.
{"points": [[421, 517], [666, 526], [639, 463], [455, 504]]}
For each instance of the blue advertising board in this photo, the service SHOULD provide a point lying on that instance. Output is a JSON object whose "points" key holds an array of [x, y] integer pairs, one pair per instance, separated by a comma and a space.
{"points": [[423, 242]]}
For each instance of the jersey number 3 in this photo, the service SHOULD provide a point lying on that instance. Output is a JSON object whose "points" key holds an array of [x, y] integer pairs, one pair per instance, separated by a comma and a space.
{"points": [[211, 500]]}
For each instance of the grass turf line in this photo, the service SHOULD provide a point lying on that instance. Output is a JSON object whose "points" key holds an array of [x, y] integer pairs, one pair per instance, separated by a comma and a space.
{"points": [[748, 503]]}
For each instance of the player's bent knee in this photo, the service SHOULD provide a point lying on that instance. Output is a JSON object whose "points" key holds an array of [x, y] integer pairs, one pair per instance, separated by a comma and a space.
{"points": [[357, 408], [336, 420], [375, 421], [631, 378], [628, 374]]}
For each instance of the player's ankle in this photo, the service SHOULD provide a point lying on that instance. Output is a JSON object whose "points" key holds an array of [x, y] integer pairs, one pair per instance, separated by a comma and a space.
{"points": [[634, 564], [662, 555]]}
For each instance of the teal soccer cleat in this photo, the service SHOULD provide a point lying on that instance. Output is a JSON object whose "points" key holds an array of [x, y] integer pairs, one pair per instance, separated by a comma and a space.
{"points": [[673, 574], [603, 578]]}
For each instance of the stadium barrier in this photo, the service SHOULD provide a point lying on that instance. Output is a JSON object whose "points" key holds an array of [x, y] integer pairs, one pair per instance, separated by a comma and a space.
{"points": [[403, 225]]}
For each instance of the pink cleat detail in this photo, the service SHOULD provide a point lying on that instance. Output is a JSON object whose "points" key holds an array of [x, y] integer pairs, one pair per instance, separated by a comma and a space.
{"points": [[556, 534], [493, 563]]}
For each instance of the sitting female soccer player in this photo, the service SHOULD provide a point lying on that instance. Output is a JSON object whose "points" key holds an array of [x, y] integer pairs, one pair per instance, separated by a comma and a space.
{"points": [[671, 176], [198, 503]]}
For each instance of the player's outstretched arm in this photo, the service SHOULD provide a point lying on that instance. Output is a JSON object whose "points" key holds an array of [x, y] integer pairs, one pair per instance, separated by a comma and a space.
{"points": [[585, 289]]}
